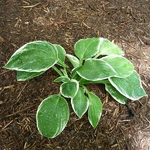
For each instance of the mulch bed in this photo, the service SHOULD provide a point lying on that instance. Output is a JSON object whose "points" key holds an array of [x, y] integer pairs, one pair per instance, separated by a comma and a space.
{"points": [[65, 22]]}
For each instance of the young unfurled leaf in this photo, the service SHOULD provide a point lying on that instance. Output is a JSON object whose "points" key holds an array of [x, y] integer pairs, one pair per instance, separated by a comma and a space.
{"points": [[121, 65], [35, 56], [96, 69], [69, 89], [130, 86], [22, 75], [52, 116], [80, 103], [94, 110]]}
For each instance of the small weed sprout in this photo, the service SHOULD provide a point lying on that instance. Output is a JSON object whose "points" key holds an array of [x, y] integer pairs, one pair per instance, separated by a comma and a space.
{"points": [[96, 60]]}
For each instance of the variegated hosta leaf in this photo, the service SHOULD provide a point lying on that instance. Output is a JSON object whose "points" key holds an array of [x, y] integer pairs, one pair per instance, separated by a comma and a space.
{"points": [[108, 48], [130, 86], [62, 79], [86, 48], [52, 116], [89, 47], [74, 61], [36, 56], [69, 89], [96, 69], [94, 110], [61, 54], [22, 75], [80, 103], [115, 94], [121, 65]]}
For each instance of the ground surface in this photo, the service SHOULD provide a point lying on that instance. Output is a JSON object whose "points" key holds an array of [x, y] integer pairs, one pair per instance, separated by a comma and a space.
{"points": [[127, 22]]}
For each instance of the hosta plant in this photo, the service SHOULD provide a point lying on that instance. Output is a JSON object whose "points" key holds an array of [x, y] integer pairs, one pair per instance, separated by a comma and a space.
{"points": [[96, 60]]}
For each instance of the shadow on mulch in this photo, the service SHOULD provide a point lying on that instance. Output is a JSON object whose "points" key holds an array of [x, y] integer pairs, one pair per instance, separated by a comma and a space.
{"points": [[65, 22]]}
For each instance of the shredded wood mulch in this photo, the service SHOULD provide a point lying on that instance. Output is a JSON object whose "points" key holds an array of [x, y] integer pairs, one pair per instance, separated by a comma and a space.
{"points": [[122, 127]]}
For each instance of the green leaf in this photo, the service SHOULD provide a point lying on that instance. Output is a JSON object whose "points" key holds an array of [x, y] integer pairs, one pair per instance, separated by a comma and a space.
{"points": [[80, 103], [35, 56], [61, 54], [22, 75], [86, 48], [52, 116], [121, 65], [74, 73], [84, 81], [95, 109], [115, 94], [130, 86], [108, 48], [74, 61], [96, 69], [62, 79], [69, 89], [89, 47]]}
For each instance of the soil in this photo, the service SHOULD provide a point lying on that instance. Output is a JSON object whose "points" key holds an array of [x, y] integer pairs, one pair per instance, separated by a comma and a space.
{"points": [[126, 22]]}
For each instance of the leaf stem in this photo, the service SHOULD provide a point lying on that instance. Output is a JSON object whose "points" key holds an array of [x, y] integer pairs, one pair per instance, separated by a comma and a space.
{"points": [[64, 72], [63, 64], [57, 70]]}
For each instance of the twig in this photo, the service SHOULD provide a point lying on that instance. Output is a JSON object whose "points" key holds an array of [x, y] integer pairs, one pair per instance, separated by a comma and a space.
{"points": [[141, 41], [31, 6], [85, 25], [6, 87], [7, 124], [21, 90], [18, 97], [18, 112]]}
